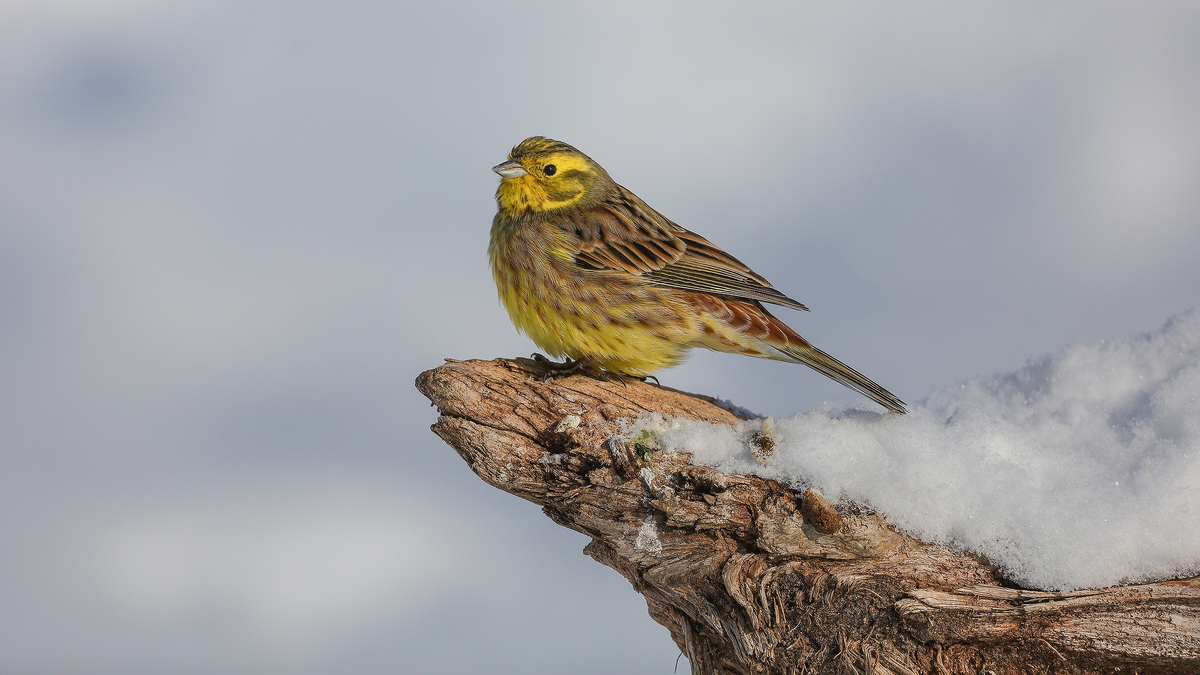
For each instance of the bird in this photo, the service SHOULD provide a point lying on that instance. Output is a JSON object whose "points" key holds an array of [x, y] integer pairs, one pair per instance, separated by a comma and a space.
{"points": [[593, 274]]}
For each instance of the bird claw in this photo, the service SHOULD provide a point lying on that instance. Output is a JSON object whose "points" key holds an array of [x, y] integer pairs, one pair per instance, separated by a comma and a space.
{"points": [[585, 366]]}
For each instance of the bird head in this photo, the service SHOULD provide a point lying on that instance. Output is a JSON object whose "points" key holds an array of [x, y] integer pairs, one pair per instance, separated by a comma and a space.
{"points": [[546, 175]]}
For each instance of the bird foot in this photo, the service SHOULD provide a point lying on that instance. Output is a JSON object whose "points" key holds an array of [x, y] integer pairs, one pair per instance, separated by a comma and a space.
{"points": [[585, 366]]}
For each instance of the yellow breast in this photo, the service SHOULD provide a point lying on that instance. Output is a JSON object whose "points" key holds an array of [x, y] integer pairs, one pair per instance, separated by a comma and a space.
{"points": [[627, 326]]}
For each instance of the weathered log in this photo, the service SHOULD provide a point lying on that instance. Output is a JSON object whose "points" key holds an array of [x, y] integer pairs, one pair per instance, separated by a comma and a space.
{"points": [[751, 577]]}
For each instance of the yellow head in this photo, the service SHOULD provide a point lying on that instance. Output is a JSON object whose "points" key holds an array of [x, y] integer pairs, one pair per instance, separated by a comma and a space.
{"points": [[545, 175]]}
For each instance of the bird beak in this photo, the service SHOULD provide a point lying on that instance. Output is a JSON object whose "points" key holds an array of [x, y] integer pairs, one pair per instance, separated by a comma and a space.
{"points": [[510, 169]]}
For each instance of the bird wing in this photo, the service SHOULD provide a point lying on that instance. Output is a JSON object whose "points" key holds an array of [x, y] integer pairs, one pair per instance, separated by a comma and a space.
{"points": [[623, 233]]}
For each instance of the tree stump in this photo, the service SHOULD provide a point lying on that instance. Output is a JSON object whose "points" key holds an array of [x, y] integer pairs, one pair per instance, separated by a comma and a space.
{"points": [[751, 577]]}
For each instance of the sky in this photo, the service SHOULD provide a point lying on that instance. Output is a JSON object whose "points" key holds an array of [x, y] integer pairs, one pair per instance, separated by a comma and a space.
{"points": [[233, 233]]}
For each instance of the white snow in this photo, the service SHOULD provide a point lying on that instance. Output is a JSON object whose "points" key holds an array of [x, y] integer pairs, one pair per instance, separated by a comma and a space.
{"points": [[1079, 470]]}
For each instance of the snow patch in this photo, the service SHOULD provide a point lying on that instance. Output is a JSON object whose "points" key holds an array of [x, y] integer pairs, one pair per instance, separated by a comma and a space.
{"points": [[1079, 470]]}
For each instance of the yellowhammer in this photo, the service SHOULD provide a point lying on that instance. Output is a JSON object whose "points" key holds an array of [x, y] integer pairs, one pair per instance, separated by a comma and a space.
{"points": [[592, 273]]}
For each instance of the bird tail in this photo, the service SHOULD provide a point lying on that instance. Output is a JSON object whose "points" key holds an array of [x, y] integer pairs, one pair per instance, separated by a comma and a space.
{"points": [[746, 327], [836, 370]]}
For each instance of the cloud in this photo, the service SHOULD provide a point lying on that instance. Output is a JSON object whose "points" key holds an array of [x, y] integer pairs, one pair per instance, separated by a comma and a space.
{"points": [[295, 570]]}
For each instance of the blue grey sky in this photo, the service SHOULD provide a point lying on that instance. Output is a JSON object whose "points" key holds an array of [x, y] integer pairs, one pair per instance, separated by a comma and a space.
{"points": [[232, 233]]}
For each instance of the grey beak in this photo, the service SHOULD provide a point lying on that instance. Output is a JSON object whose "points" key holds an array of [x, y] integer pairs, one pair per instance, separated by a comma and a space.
{"points": [[510, 169]]}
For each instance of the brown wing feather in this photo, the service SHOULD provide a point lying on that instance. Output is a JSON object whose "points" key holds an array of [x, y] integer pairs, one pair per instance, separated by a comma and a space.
{"points": [[623, 233], [617, 234]]}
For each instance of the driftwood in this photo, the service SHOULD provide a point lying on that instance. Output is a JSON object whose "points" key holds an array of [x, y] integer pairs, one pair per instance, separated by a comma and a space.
{"points": [[751, 577]]}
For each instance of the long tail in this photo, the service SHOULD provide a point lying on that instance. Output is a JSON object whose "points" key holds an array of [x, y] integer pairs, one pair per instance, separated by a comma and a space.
{"points": [[746, 327], [836, 370]]}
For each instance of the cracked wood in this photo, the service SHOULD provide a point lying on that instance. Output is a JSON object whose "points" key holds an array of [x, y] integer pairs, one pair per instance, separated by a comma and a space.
{"points": [[751, 577]]}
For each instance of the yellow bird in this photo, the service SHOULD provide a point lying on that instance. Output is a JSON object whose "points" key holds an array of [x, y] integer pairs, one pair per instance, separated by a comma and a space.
{"points": [[590, 272]]}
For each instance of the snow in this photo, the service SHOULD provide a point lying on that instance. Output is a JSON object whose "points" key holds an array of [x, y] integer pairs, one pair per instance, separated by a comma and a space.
{"points": [[1079, 470]]}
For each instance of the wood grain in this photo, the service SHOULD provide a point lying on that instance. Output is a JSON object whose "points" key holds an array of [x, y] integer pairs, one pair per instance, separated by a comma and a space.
{"points": [[751, 577]]}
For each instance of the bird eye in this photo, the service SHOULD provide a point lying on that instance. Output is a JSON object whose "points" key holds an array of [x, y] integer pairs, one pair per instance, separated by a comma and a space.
{"points": [[549, 169]]}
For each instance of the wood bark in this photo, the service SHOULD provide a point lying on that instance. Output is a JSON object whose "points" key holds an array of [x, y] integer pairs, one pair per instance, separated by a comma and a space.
{"points": [[752, 577]]}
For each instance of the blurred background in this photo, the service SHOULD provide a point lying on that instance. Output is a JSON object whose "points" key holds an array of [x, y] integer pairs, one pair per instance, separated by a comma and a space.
{"points": [[232, 233]]}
